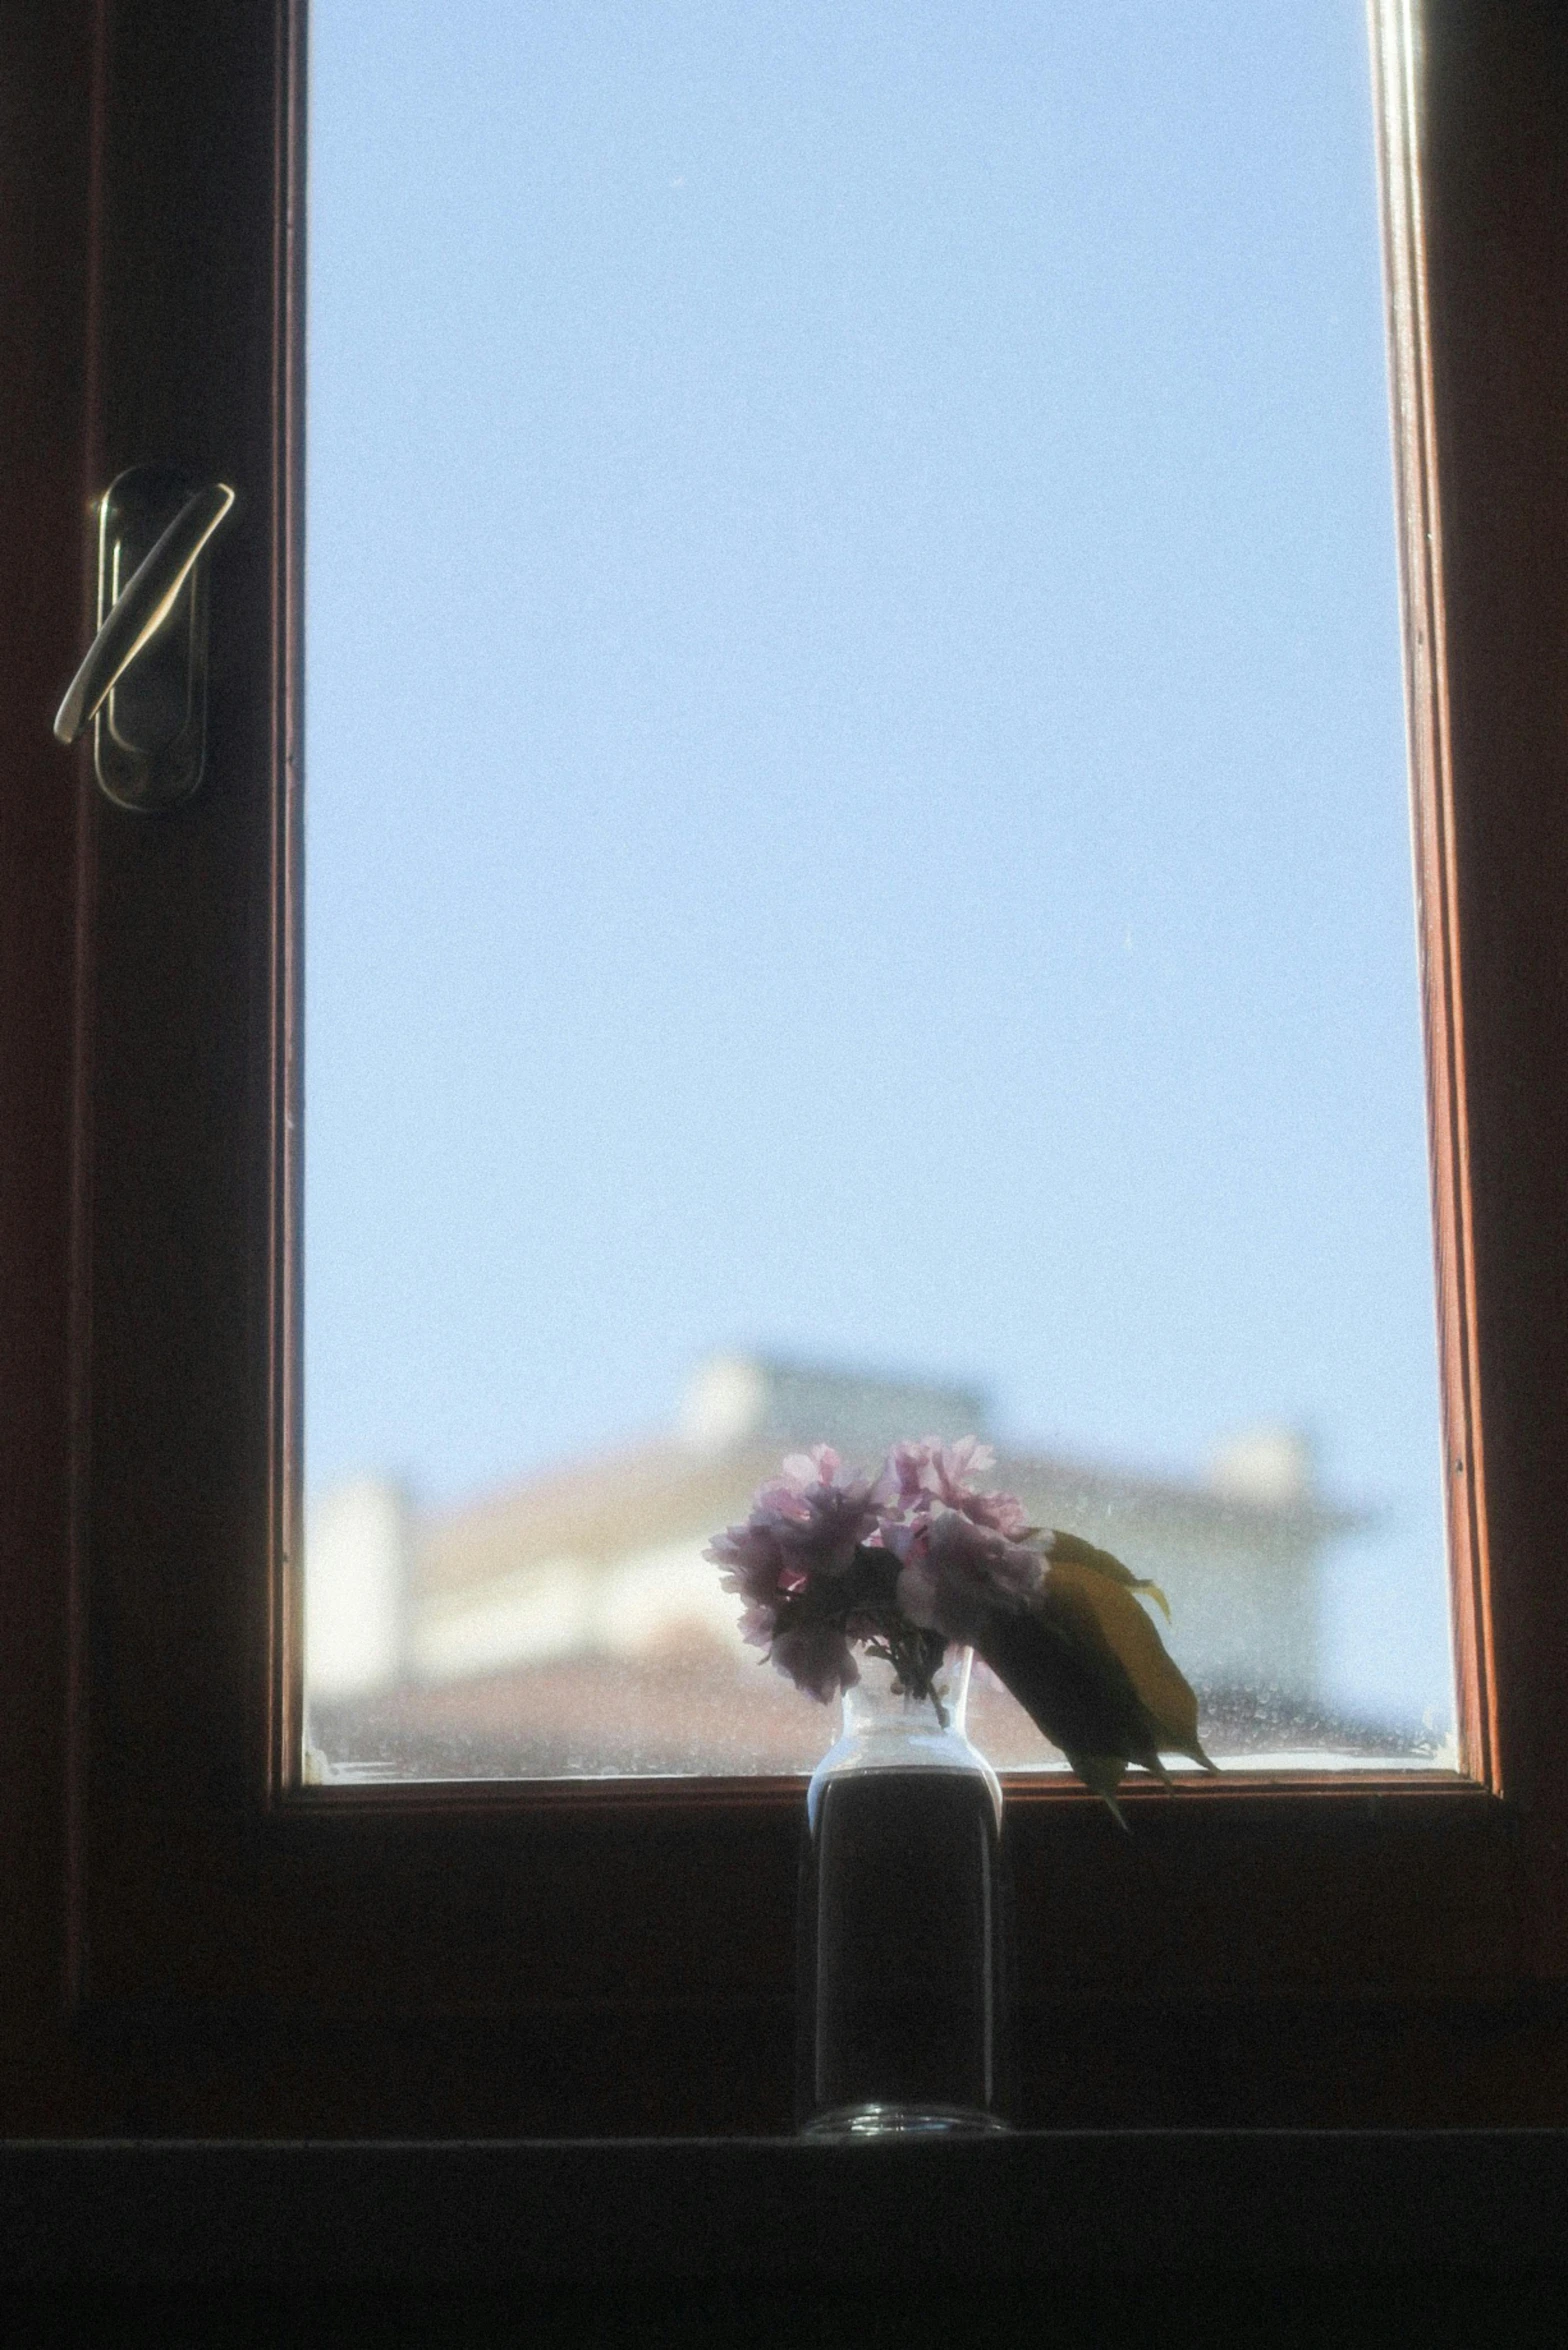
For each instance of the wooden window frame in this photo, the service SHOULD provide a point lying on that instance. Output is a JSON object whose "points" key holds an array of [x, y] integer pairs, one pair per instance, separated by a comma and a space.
{"points": [[198, 1943]]}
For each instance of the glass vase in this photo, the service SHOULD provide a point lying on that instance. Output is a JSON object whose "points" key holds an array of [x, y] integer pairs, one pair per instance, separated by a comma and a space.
{"points": [[903, 1922]]}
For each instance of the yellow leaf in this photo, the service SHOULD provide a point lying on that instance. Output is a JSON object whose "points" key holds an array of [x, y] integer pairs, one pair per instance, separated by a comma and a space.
{"points": [[1063, 1673], [1101, 1605], [1073, 1551], [1102, 1774]]}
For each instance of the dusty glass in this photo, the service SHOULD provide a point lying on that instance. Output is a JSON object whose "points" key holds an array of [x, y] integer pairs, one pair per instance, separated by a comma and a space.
{"points": [[859, 855]]}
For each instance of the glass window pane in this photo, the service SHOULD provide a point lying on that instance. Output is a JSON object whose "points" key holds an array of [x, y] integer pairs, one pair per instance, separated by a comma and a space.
{"points": [[858, 850]]}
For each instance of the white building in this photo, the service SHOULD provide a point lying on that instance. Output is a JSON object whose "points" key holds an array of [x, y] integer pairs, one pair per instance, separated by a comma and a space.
{"points": [[572, 1622]]}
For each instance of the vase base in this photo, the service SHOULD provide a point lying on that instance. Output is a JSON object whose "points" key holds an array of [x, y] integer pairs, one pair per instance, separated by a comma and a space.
{"points": [[872, 2120]]}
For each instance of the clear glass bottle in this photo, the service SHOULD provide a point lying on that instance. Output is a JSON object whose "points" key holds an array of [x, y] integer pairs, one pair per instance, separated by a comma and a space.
{"points": [[904, 1921]]}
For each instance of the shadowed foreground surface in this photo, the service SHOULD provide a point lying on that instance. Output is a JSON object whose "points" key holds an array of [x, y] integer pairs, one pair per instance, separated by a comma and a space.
{"points": [[1288, 2310], [1034, 2209]]}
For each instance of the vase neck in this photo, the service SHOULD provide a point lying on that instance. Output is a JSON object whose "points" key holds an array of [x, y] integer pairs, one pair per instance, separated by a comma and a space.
{"points": [[884, 1730], [876, 1706]]}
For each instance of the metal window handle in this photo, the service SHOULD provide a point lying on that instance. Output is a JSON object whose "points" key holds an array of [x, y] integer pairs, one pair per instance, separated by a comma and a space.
{"points": [[142, 685]]}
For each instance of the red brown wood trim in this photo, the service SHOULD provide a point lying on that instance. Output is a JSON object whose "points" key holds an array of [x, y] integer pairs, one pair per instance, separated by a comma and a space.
{"points": [[79, 1302], [284, 979], [1397, 95], [675, 1800], [1397, 64], [187, 1202], [45, 228]]}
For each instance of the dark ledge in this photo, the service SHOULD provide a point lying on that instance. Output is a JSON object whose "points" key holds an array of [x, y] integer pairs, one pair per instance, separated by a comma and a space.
{"points": [[710, 2211]]}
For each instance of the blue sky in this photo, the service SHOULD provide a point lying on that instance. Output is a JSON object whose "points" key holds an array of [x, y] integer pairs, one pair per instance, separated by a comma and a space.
{"points": [[856, 773]]}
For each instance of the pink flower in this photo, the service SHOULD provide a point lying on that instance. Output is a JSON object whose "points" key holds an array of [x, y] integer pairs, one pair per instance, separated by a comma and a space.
{"points": [[958, 1575], [756, 1621], [932, 1475], [817, 1659], [819, 1514], [805, 1527], [807, 1521]]}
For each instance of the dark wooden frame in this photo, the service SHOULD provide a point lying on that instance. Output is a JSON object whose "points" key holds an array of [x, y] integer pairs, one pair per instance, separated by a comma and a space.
{"points": [[194, 1941]]}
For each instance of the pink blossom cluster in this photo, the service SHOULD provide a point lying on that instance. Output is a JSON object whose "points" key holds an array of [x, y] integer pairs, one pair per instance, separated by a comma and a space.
{"points": [[825, 1555]]}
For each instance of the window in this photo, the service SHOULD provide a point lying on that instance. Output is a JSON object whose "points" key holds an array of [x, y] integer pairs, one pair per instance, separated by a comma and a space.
{"points": [[244, 1953], [892, 849]]}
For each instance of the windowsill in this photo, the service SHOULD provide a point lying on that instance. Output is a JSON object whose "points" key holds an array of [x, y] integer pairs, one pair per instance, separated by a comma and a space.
{"points": [[585, 2212]]}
